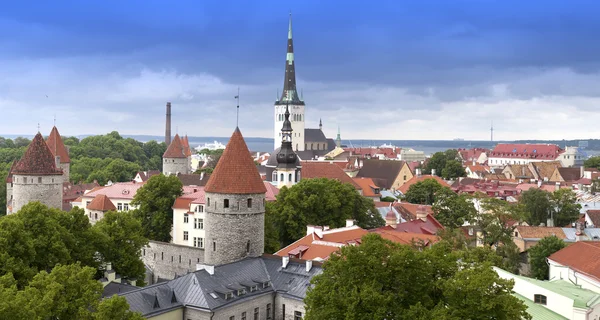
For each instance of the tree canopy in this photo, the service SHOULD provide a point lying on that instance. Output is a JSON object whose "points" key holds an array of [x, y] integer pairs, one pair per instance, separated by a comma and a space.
{"points": [[323, 202], [155, 201], [540, 206], [423, 192], [451, 209], [404, 283], [538, 254], [447, 164]]}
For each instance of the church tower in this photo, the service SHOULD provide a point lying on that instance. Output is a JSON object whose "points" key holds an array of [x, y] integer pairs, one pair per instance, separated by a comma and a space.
{"points": [[290, 97], [288, 164], [175, 159], [60, 152], [37, 177], [235, 207]]}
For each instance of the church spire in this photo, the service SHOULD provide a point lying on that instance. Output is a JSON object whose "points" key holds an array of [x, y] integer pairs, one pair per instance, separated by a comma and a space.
{"points": [[290, 94], [286, 158], [338, 139]]}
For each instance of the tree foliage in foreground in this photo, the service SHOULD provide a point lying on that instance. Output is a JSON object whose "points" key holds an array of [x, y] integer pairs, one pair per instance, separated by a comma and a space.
{"points": [[384, 280], [322, 202], [538, 254], [423, 192], [67, 292]]}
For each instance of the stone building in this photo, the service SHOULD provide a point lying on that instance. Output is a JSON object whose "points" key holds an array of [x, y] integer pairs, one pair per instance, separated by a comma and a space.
{"points": [[37, 177], [287, 171], [98, 207], [175, 159], [9, 187], [60, 152]]}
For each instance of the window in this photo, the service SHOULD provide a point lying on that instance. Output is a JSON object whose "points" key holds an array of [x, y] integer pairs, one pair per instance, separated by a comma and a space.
{"points": [[256, 313], [186, 218], [208, 202], [244, 315], [185, 235], [404, 177], [226, 203], [248, 246], [274, 176], [266, 284], [119, 206], [253, 288], [232, 318], [283, 311], [249, 203], [96, 216], [290, 177], [268, 311], [241, 292], [87, 203], [199, 208], [281, 177], [198, 223], [539, 298], [200, 242], [214, 246], [297, 315], [39, 179], [228, 295], [162, 256]]}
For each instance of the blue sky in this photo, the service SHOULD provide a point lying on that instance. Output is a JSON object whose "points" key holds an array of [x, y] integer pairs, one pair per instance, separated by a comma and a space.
{"points": [[378, 69]]}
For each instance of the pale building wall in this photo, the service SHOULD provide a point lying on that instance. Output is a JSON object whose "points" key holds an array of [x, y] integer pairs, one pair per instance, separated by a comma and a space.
{"points": [[172, 166], [120, 204], [297, 126], [9, 194], [500, 162], [411, 155], [291, 306], [558, 271], [235, 309], [571, 157], [176, 314], [482, 158], [66, 168], [168, 260], [94, 215], [404, 175], [45, 189], [193, 229]]}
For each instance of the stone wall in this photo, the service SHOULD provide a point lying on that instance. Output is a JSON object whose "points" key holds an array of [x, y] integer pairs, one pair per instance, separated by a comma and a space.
{"points": [[168, 260], [9, 193], [236, 309], [291, 306], [234, 232], [66, 168], [45, 189], [172, 166]]}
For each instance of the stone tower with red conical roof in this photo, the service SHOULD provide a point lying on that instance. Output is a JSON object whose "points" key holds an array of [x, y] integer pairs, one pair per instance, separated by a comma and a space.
{"points": [[175, 159], [36, 177], [235, 206], [60, 152]]}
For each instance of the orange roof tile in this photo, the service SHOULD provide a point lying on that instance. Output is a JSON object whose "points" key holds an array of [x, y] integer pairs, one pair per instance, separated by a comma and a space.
{"points": [[322, 169], [236, 172], [101, 203], [368, 186], [405, 237], [313, 247], [57, 146], [175, 149], [529, 232], [415, 179], [37, 160], [580, 256]]}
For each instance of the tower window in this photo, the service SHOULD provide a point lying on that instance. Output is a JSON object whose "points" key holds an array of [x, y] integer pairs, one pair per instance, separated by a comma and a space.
{"points": [[274, 176], [248, 246], [208, 202], [214, 246], [226, 203], [249, 203], [290, 177], [39, 179]]}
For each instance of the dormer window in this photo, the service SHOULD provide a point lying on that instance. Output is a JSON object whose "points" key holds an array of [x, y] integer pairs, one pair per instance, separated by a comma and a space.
{"points": [[253, 288], [539, 298], [266, 284], [241, 292], [229, 295]]}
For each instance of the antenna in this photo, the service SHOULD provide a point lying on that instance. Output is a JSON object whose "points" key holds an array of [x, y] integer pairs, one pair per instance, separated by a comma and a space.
{"points": [[237, 115], [38, 127], [492, 132], [55, 119]]}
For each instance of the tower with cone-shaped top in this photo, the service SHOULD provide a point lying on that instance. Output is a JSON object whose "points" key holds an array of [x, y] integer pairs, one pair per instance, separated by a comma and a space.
{"points": [[288, 164], [60, 152], [37, 177], [235, 206], [176, 158], [289, 97]]}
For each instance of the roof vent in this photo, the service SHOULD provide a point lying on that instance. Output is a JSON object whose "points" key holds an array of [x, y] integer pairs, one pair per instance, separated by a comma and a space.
{"points": [[125, 191], [285, 261]]}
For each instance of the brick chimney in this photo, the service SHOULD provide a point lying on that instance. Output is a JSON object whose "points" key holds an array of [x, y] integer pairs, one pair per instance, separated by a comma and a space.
{"points": [[422, 213], [168, 125]]}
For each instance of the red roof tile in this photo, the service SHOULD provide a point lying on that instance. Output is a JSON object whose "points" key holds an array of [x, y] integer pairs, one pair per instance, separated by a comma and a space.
{"points": [[101, 203], [235, 172], [526, 151], [415, 179], [323, 169], [368, 186], [429, 226], [405, 237], [37, 160], [186, 146], [175, 149], [57, 146], [581, 256]]}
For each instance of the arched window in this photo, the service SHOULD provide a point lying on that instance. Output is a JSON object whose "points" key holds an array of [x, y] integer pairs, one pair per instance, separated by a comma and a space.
{"points": [[539, 298], [281, 177]]}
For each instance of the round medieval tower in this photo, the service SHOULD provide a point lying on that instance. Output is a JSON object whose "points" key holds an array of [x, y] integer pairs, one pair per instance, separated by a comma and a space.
{"points": [[36, 177], [175, 159], [235, 206]]}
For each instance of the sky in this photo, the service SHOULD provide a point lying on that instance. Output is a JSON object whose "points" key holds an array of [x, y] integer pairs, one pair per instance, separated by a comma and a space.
{"points": [[390, 70]]}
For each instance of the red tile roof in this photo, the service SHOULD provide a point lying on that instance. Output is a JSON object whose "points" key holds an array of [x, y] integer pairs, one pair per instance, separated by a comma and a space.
{"points": [[526, 151], [531, 232], [580, 256], [323, 169], [101, 203], [120, 190], [429, 226], [272, 191], [186, 146], [312, 246], [57, 146], [37, 160], [236, 172], [408, 211], [405, 237], [368, 186], [10, 172], [594, 216], [415, 179], [176, 149]]}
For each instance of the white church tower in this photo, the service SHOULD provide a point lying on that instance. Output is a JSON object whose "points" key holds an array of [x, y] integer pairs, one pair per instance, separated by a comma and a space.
{"points": [[290, 97]]}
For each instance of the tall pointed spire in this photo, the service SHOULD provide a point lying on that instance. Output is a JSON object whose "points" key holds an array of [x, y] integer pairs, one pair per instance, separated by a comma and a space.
{"points": [[290, 93], [338, 139]]}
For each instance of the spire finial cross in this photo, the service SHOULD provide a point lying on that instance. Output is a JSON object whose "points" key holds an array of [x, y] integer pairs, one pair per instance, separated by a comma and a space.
{"points": [[38, 127], [237, 114]]}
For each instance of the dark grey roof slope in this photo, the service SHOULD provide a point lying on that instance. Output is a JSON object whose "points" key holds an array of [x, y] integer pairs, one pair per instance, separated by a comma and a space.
{"points": [[386, 170], [200, 289], [331, 144], [272, 161], [314, 135], [117, 288]]}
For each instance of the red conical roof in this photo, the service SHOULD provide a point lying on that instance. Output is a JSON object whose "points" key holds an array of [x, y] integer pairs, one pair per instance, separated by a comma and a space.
{"points": [[235, 172], [37, 160], [186, 146], [101, 203], [57, 146], [175, 149], [10, 172]]}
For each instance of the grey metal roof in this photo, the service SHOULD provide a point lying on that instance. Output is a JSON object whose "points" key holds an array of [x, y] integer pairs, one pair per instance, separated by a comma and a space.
{"points": [[314, 135], [195, 289], [116, 288]]}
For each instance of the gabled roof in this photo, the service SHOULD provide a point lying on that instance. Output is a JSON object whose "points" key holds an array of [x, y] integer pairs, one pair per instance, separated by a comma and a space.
{"points": [[176, 149], [101, 203], [37, 160], [404, 188], [314, 135], [119, 190], [430, 226], [145, 175], [594, 216], [386, 170], [325, 169], [580, 256], [236, 172], [57, 146], [569, 174], [313, 246], [545, 169], [193, 179], [368, 186], [528, 232], [405, 237]]}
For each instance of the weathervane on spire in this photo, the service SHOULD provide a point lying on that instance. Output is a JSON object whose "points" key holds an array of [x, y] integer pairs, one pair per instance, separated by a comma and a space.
{"points": [[237, 114], [38, 127]]}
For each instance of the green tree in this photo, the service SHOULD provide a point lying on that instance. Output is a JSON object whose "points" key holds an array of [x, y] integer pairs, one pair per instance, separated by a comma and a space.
{"points": [[537, 205], [451, 209], [22, 142], [271, 233], [423, 192], [115, 308], [592, 162], [324, 202], [121, 244], [538, 254], [495, 220], [387, 199], [384, 280], [566, 210], [453, 169], [155, 201]]}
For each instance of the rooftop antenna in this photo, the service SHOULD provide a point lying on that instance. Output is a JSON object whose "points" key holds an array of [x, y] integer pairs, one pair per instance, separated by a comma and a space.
{"points": [[237, 115], [492, 132], [55, 119], [38, 127]]}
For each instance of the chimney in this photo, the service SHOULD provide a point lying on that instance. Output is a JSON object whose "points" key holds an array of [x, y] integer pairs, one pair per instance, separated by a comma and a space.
{"points": [[539, 183], [201, 175], [310, 229], [308, 265], [168, 125], [473, 162], [349, 222], [285, 261], [579, 231], [325, 228], [418, 172], [581, 171], [422, 213], [319, 231], [557, 186], [433, 172]]}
